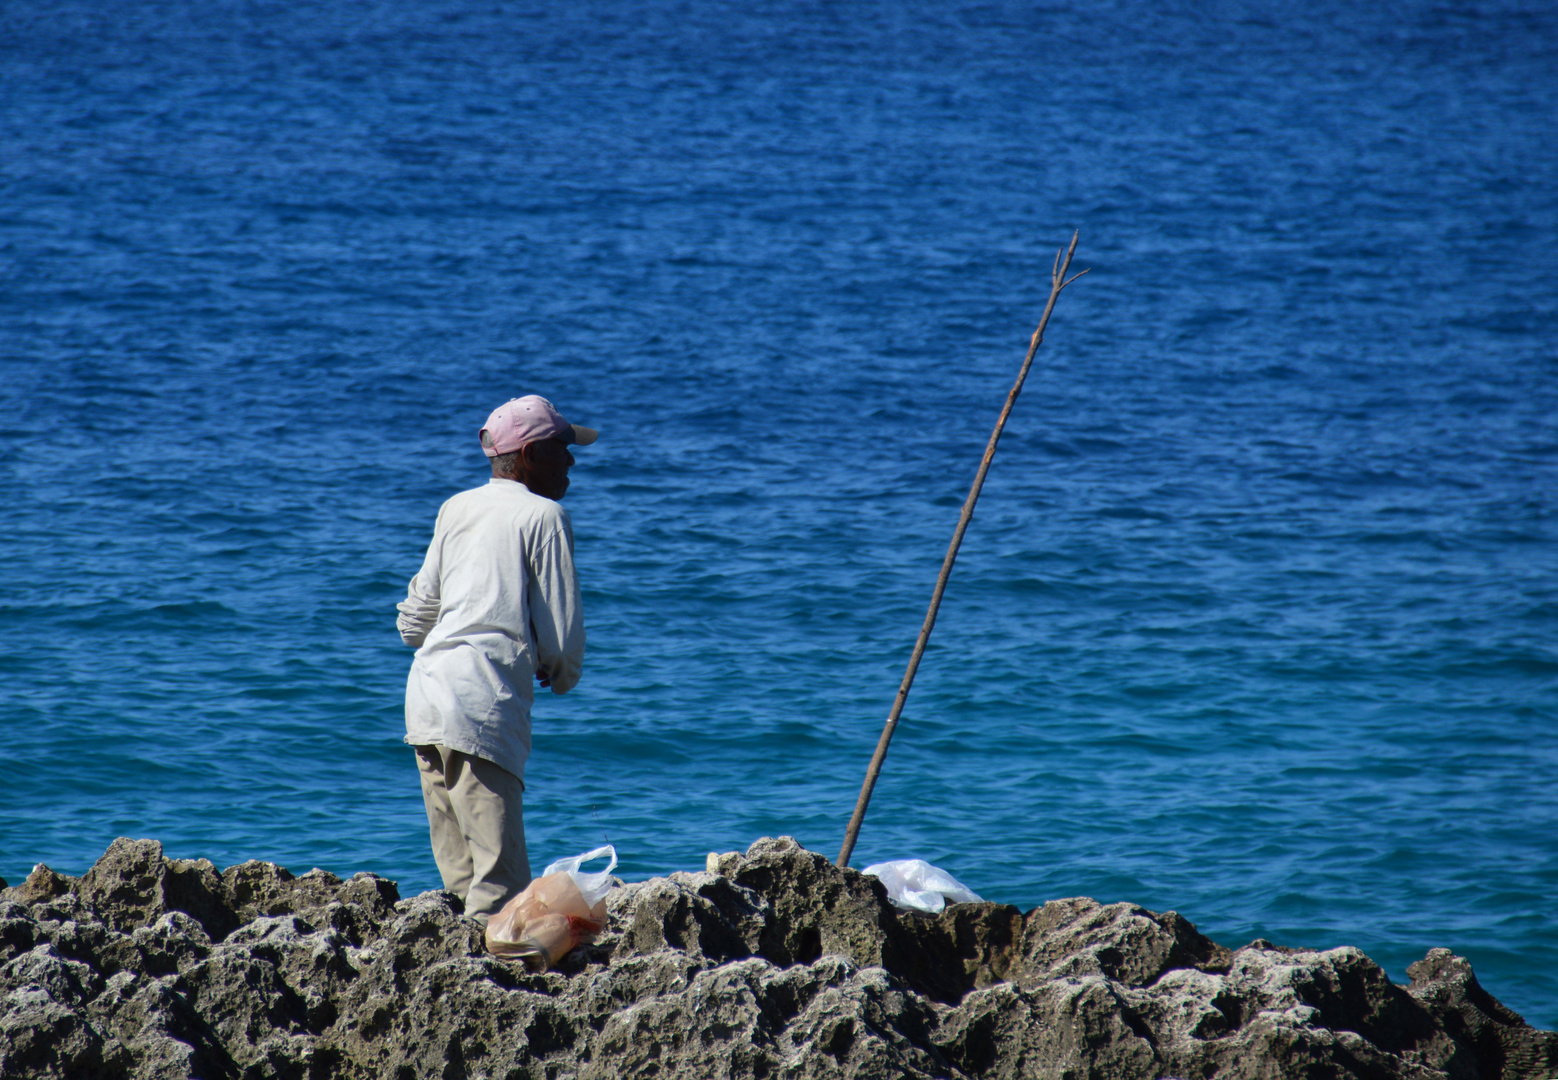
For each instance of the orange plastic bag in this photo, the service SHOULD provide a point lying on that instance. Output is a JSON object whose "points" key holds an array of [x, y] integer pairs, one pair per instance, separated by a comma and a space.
{"points": [[558, 910]]}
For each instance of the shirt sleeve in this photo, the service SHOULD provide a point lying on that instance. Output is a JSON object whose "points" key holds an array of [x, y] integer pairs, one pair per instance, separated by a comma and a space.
{"points": [[556, 611], [419, 610]]}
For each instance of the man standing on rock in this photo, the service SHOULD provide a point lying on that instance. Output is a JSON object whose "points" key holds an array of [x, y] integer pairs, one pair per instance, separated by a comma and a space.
{"points": [[495, 604]]}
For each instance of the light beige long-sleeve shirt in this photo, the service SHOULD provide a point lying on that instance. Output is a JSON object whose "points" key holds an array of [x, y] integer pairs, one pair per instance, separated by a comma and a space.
{"points": [[496, 598]]}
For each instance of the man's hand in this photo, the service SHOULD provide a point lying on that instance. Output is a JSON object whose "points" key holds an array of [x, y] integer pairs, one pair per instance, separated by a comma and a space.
{"points": [[543, 676]]}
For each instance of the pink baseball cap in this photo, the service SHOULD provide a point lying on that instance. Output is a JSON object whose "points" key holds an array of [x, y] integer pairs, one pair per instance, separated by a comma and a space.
{"points": [[526, 420]]}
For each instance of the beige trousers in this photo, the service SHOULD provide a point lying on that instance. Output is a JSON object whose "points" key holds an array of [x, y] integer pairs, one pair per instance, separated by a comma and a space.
{"points": [[476, 819]]}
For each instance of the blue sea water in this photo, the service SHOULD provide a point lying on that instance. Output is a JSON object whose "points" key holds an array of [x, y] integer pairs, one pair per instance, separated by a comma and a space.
{"points": [[1256, 618]]}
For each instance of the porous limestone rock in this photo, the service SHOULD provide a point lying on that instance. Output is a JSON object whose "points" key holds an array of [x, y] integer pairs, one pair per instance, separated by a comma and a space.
{"points": [[132, 884], [1129, 944], [768, 963]]}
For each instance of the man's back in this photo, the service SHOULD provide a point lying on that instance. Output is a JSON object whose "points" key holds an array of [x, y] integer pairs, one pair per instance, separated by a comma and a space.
{"points": [[496, 598]]}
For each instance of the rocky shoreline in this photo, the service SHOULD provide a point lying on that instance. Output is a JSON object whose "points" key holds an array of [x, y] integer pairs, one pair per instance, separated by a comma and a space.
{"points": [[768, 963]]}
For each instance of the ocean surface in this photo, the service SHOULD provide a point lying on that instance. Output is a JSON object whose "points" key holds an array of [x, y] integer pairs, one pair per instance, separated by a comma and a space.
{"points": [[1258, 616]]}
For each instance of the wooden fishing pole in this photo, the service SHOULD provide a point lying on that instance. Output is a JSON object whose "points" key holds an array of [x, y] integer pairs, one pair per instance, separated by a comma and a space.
{"points": [[1058, 281]]}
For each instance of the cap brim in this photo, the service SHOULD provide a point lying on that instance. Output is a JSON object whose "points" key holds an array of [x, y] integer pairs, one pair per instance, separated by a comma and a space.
{"points": [[583, 436]]}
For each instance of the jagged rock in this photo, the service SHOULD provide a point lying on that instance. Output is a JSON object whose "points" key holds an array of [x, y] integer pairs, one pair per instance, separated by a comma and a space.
{"points": [[243, 998], [427, 929], [42, 884], [18, 930], [172, 944], [815, 907], [965, 947], [43, 1029], [357, 908], [132, 884], [1482, 1028], [705, 915], [461, 1016], [1299, 1012], [768, 963], [858, 1023], [159, 1030], [1072, 1027], [600, 993], [68, 982], [1129, 944]]}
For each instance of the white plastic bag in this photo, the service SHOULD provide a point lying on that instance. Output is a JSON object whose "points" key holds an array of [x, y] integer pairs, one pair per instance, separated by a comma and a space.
{"points": [[557, 911], [593, 887], [915, 883]]}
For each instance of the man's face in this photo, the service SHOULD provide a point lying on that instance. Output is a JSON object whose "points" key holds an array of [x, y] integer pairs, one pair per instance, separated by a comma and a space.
{"points": [[546, 468]]}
